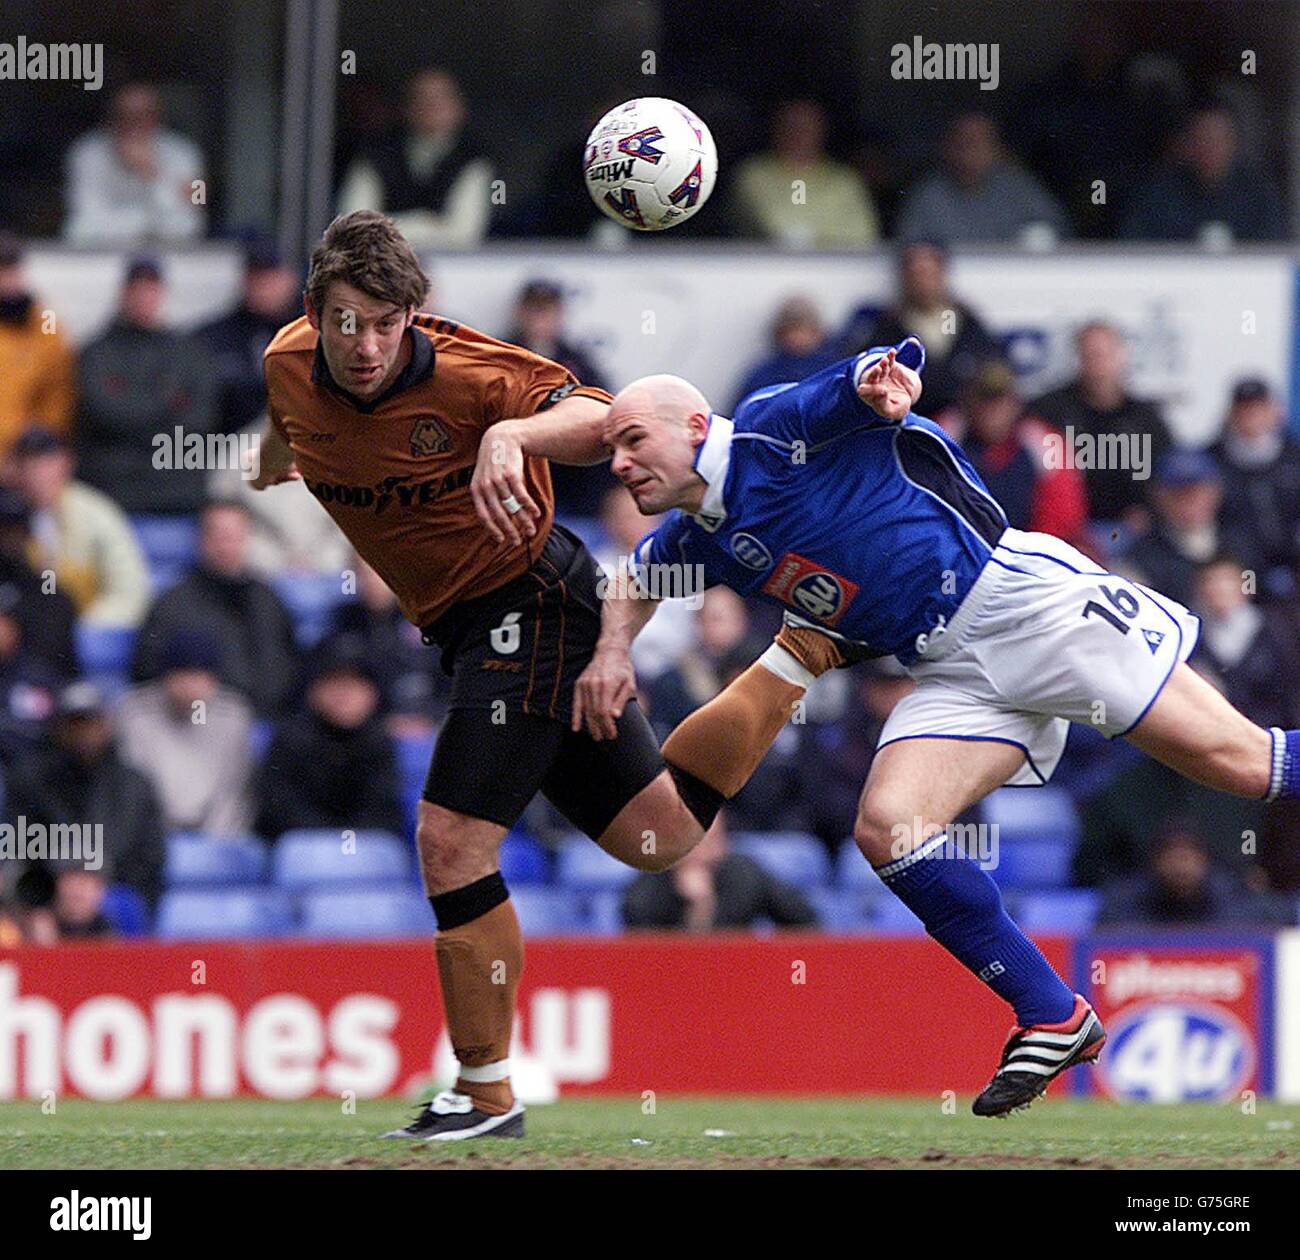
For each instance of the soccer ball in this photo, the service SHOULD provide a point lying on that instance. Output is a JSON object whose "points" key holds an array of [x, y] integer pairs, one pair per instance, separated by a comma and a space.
{"points": [[650, 164]]}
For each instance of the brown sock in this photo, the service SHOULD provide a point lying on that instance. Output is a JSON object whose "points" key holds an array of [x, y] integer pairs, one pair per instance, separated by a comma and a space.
{"points": [[723, 741], [479, 965]]}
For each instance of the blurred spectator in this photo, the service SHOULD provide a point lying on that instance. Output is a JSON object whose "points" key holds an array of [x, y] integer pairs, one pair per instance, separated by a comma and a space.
{"points": [[78, 907], [1182, 886], [28, 686], [1097, 402], [132, 179], [45, 615], [245, 614], [1020, 459], [80, 779], [432, 178], [980, 194], [799, 349], [1261, 483], [189, 736], [37, 372], [797, 196], [956, 341], [1248, 652], [837, 756], [332, 766], [80, 534], [1187, 492], [722, 641], [712, 888], [271, 297], [539, 326], [1208, 192], [411, 681], [139, 384], [671, 631]]}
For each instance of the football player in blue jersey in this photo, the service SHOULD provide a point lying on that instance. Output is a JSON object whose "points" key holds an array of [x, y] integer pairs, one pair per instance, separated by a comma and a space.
{"points": [[866, 521]]}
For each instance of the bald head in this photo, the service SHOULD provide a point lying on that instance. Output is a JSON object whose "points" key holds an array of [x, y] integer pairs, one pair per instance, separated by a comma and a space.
{"points": [[653, 428]]}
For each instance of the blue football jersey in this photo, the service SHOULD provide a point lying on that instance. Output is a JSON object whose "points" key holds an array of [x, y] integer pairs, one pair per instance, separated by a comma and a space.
{"points": [[872, 529]]}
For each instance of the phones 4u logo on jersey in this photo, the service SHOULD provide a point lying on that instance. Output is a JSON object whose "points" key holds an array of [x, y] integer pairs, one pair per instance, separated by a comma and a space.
{"points": [[808, 587]]}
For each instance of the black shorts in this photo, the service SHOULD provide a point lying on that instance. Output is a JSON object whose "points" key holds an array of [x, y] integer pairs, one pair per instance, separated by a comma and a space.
{"points": [[514, 656]]}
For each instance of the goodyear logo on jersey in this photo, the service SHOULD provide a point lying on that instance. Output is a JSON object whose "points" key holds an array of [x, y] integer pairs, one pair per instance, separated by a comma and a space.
{"points": [[814, 591]]}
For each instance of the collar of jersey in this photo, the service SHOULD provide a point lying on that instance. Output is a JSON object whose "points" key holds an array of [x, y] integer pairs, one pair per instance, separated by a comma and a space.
{"points": [[419, 368], [712, 459]]}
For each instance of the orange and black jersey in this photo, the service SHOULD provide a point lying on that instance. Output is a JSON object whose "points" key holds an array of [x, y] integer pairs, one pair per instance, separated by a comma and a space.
{"points": [[394, 473]]}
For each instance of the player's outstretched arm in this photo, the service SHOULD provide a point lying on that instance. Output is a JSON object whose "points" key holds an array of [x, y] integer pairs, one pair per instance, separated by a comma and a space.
{"points": [[889, 387], [569, 433], [609, 681], [275, 462]]}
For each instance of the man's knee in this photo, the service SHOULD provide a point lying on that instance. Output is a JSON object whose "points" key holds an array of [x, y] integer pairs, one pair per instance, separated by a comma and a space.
{"points": [[885, 828], [455, 849], [654, 830]]}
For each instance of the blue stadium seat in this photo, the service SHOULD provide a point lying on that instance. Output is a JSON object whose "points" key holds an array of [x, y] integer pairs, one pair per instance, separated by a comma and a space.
{"points": [[523, 860], [585, 867], [840, 911], [890, 915], [797, 858], [223, 914], [104, 649], [1065, 910], [309, 859], [1032, 863], [548, 911], [214, 861], [1039, 813], [413, 753], [853, 872], [605, 913], [170, 545], [374, 912], [311, 599], [126, 910]]}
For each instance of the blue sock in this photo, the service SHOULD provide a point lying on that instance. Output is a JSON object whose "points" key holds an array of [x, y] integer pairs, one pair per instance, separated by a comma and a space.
{"points": [[962, 909], [1284, 775]]}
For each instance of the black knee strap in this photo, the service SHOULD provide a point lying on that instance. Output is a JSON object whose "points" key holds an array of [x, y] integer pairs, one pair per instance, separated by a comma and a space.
{"points": [[702, 800], [464, 905]]}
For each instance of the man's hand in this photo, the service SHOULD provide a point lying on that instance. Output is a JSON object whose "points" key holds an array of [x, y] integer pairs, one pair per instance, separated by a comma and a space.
{"points": [[889, 388], [602, 691], [498, 485], [274, 462]]}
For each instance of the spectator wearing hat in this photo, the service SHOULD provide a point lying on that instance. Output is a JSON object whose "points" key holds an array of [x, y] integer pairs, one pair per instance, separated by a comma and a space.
{"points": [[80, 778], [43, 613], [1247, 651], [132, 180], [37, 371], [80, 534], [1260, 463], [956, 340], [220, 594], [1011, 450], [539, 326], [798, 349], [270, 298], [1186, 533], [189, 736], [432, 178], [1182, 886], [139, 384], [1097, 402], [332, 766]]}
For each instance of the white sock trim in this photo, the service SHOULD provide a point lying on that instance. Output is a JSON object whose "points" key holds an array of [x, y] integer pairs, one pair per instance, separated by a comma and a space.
{"points": [[484, 1075], [1278, 762], [776, 660]]}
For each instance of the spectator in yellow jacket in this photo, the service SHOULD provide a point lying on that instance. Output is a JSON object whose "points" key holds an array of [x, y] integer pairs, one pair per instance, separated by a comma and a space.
{"points": [[37, 372]]}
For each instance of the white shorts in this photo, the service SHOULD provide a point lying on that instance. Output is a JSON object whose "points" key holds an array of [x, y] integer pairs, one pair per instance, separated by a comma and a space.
{"points": [[1044, 638]]}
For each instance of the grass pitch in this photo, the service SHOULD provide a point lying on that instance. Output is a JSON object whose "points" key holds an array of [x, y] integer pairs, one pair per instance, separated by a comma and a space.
{"points": [[683, 1133]]}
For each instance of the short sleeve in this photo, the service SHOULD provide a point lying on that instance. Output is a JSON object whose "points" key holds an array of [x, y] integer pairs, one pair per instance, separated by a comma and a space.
{"points": [[532, 384]]}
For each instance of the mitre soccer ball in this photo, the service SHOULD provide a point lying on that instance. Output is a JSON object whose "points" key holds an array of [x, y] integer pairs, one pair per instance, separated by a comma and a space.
{"points": [[650, 164]]}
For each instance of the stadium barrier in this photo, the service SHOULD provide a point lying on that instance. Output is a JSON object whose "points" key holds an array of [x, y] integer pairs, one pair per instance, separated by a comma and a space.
{"points": [[1189, 1016]]}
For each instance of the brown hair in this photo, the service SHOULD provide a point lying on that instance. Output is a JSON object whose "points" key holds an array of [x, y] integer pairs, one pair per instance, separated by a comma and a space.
{"points": [[365, 249]]}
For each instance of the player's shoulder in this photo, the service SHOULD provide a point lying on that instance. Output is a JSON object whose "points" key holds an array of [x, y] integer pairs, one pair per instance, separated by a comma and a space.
{"points": [[457, 343], [297, 337]]}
